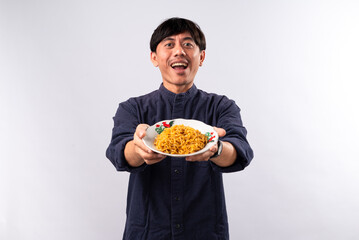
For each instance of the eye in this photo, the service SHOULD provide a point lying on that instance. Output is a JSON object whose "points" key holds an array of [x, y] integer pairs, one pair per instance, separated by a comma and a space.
{"points": [[188, 44], [169, 45]]}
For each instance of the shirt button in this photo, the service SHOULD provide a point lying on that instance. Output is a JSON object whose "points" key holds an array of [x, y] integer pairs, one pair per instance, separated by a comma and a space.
{"points": [[178, 225], [177, 171], [177, 198]]}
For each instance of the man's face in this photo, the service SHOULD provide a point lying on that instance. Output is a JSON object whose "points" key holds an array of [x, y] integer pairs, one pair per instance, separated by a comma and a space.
{"points": [[178, 58]]}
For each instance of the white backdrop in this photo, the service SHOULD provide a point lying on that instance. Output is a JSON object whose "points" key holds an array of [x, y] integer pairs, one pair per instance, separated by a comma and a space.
{"points": [[292, 67]]}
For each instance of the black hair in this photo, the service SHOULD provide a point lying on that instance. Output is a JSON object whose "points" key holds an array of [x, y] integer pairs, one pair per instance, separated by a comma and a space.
{"points": [[174, 26]]}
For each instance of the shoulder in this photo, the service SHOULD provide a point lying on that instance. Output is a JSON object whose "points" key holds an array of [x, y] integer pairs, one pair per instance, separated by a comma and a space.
{"points": [[134, 104], [139, 100], [220, 100]]}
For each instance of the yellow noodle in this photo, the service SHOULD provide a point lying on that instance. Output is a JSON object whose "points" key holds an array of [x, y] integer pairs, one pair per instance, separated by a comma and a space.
{"points": [[180, 139]]}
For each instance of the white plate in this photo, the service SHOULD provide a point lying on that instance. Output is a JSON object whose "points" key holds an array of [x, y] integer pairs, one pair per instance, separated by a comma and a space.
{"points": [[154, 130]]}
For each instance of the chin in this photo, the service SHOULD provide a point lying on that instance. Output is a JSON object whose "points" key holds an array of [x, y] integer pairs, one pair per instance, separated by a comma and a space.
{"points": [[182, 81]]}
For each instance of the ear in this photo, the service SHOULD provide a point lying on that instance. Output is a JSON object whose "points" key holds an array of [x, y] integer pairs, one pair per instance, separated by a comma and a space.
{"points": [[154, 59], [202, 57]]}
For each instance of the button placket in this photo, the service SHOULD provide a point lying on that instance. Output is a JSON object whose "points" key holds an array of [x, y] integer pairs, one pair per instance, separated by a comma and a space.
{"points": [[177, 165], [176, 195], [178, 106]]}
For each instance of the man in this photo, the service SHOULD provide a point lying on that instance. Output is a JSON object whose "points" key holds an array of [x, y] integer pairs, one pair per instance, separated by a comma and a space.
{"points": [[177, 198]]}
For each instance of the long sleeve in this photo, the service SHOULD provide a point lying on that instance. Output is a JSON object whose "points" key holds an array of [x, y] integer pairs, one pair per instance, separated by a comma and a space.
{"points": [[125, 123], [229, 118]]}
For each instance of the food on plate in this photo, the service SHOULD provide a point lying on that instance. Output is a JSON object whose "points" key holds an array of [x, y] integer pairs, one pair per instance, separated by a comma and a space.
{"points": [[180, 139]]}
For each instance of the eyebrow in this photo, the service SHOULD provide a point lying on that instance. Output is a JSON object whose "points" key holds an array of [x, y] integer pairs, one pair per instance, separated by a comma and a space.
{"points": [[184, 39]]}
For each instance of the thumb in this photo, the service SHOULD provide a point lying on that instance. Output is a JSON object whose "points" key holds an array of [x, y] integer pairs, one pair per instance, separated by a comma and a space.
{"points": [[142, 130], [141, 134], [221, 132]]}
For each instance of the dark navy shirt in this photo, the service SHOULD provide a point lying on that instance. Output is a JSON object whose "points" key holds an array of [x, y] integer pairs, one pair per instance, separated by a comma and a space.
{"points": [[176, 199]]}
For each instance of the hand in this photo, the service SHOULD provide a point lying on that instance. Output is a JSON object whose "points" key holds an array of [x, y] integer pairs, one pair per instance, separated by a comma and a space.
{"points": [[140, 148], [208, 154]]}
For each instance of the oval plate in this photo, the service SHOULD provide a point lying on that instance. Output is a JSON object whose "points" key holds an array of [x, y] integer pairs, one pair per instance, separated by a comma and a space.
{"points": [[154, 130]]}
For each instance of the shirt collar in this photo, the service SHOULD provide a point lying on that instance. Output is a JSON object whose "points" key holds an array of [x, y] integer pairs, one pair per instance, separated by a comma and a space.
{"points": [[190, 92]]}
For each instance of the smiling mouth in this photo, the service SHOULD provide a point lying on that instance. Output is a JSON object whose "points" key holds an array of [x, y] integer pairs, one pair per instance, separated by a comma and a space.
{"points": [[180, 65]]}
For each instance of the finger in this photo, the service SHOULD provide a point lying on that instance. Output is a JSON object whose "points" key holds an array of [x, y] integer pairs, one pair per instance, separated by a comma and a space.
{"points": [[150, 156], [139, 144], [153, 161], [139, 134], [154, 156], [150, 162], [141, 130], [214, 148], [201, 157], [198, 158]]}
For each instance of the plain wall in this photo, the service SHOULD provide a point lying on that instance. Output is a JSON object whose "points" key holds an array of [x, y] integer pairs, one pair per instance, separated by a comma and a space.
{"points": [[291, 66]]}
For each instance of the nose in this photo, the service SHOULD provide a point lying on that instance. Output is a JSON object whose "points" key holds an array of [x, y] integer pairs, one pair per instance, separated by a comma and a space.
{"points": [[179, 51]]}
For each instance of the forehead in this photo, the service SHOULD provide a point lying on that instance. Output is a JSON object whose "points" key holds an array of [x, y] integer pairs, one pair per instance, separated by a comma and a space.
{"points": [[179, 36]]}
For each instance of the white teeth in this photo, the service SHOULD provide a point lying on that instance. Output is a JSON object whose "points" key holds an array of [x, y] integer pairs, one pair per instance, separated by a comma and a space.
{"points": [[179, 65]]}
